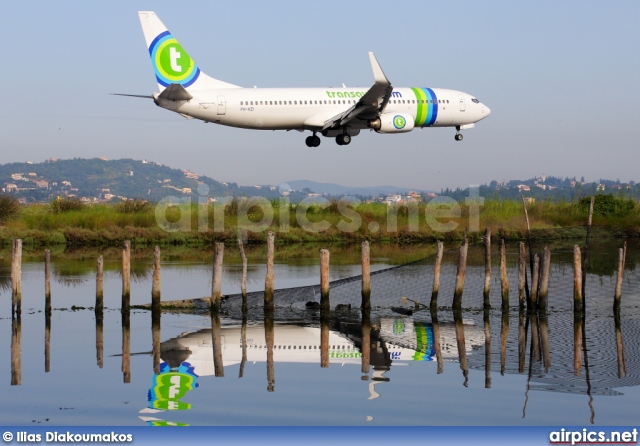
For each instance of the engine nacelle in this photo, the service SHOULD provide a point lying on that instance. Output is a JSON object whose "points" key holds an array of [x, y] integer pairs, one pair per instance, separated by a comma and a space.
{"points": [[393, 123]]}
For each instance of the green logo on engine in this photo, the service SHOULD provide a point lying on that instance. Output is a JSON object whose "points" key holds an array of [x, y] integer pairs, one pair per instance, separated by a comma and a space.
{"points": [[399, 122]]}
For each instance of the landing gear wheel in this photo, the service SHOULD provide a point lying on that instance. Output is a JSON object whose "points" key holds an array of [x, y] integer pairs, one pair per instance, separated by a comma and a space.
{"points": [[315, 141], [458, 137], [343, 139], [309, 141]]}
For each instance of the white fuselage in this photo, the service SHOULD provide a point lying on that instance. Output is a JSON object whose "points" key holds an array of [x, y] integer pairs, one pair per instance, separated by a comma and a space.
{"points": [[309, 108]]}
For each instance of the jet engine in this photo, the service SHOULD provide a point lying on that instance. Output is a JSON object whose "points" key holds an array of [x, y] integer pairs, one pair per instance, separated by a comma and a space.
{"points": [[392, 123]]}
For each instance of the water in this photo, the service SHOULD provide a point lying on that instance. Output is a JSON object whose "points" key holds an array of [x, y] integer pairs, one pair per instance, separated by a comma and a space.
{"points": [[79, 381]]}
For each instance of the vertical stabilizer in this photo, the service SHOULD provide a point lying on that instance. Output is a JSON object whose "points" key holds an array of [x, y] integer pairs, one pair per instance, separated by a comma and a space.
{"points": [[171, 63]]}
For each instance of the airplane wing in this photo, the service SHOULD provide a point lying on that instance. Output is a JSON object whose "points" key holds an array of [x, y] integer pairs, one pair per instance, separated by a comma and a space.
{"points": [[371, 104]]}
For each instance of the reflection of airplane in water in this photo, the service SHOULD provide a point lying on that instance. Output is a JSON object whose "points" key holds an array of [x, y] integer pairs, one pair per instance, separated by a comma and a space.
{"points": [[400, 339]]}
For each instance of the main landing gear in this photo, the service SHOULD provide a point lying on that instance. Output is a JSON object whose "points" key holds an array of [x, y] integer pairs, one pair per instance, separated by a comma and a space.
{"points": [[458, 136], [313, 141], [343, 139]]}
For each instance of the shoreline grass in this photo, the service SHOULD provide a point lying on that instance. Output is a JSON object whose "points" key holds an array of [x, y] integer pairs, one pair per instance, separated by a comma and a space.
{"points": [[334, 222]]}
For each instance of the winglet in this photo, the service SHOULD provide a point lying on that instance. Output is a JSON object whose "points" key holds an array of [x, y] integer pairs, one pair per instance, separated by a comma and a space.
{"points": [[378, 74]]}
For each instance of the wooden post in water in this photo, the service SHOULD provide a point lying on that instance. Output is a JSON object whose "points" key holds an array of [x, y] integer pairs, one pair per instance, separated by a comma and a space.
{"points": [[487, 267], [522, 274], [366, 276], [99, 311], [577, 279], [544, 340], [535, 282], [462, 267], [243, 282], [126, 276], [436, 276], [619, 276], [216, 282], [155, 286], [543, 292], [577, 342], [268, 281], [324, 280], [461, 344], [504, 278], [47, 276], [16, 274]]}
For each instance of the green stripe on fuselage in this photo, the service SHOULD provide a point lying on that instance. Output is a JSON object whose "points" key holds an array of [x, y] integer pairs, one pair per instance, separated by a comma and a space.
{"points": [[421, 112]]}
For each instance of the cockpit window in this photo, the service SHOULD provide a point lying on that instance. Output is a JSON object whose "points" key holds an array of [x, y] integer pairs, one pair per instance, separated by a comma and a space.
{"points": [[475, 100]]}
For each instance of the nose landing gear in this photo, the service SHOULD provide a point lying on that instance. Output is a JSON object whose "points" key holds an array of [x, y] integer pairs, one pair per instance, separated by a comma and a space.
{"points": [[458, 136]]}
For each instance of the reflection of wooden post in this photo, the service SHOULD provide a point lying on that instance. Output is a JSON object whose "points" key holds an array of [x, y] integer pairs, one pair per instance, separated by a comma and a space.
{"points": [[324, 279], [522, 273], [504, 334], [622, 365], [324, 338], [269, 335], [462, 267], [487, 348], [544, 340], [268, 281], [243, 337], [366, 342], [366, 276], [577, 279], [16, 359], [436, 338], [462, 349], [535, 336], [535, 282], [126, 346], [504, 278], [216, 282], [619, 276], [47, 275], [436, 276], [577, 342], [522, 340], [487, 267], [126, 276], [99, 311], [216, 340], [545, 267], [156, 315], [47, 310]]}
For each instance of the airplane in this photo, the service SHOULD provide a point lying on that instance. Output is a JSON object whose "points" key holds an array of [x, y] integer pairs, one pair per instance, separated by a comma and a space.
{"points": [[339, 113]]}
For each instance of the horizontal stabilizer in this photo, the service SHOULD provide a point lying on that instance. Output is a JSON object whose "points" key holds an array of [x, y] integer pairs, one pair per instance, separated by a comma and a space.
{"points": [[175, 92], [145, 96]]}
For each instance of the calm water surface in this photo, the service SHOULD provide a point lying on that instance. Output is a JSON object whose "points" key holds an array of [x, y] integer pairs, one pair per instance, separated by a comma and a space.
{"points": [[82, 377]]}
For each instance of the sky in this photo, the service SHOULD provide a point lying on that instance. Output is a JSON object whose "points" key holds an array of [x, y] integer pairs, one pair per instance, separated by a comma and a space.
{"points": [[561, 79]]}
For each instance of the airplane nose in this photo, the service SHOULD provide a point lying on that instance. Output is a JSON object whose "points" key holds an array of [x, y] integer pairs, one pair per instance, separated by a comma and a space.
{"points": [[486, 110]]}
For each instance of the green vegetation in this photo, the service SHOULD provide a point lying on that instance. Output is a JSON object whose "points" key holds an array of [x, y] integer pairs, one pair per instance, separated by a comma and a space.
{"points": [[9, 207], [72, 223]]}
